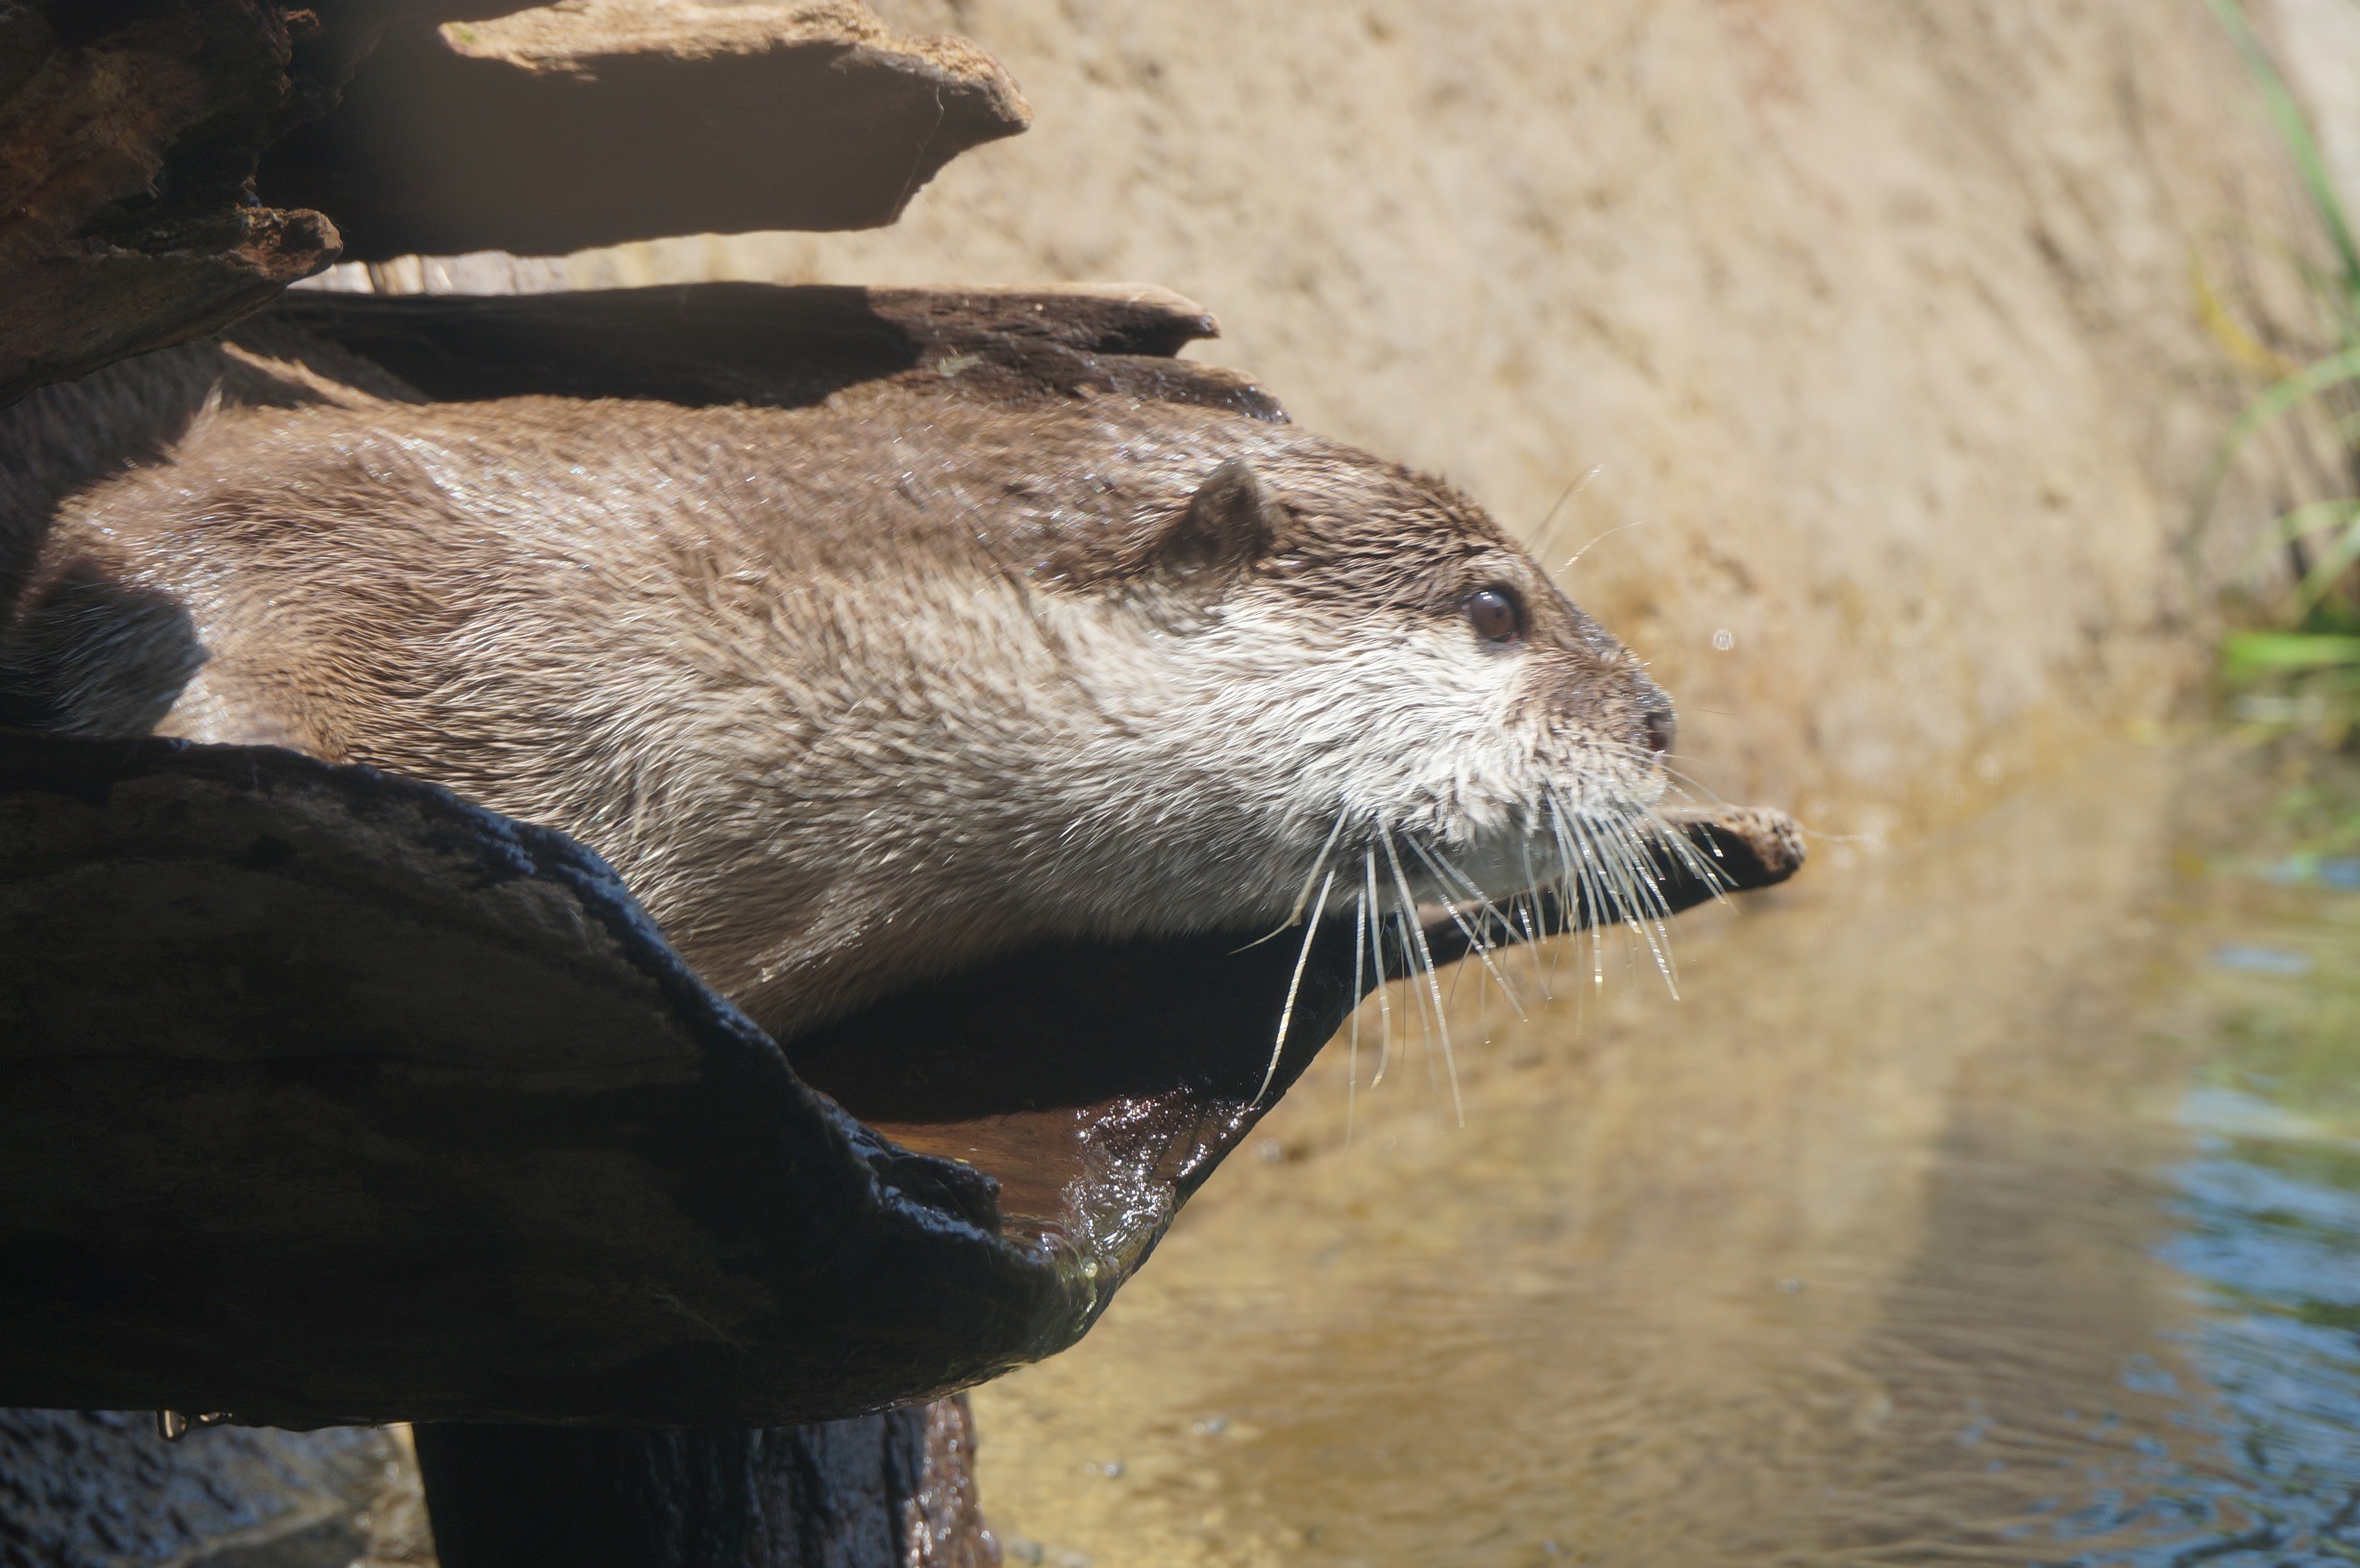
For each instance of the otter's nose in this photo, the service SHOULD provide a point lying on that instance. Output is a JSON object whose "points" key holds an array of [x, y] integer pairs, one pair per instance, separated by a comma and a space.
{"points": [[1662, 729]]}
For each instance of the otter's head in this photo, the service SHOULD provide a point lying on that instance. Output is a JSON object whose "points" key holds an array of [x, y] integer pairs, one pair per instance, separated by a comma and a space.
{"points": [[1329, 672]]}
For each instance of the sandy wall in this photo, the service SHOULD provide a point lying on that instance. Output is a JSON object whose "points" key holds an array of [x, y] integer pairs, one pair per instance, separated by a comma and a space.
{"points": [[1877, 318]]}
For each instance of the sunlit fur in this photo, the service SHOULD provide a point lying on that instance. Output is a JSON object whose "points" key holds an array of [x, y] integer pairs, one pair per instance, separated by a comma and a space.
{"points": [[854, 693]]}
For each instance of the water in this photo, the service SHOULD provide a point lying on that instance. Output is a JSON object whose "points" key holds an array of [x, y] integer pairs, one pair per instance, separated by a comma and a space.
{"points": [[1988, 1200]]}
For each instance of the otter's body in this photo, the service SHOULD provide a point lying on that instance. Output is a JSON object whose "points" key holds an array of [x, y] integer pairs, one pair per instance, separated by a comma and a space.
{"points": [[854, 693]]}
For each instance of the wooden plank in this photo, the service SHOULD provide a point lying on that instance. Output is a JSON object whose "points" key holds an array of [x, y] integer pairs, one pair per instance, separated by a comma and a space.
{"points": [[590, 123], [326, 1096]]}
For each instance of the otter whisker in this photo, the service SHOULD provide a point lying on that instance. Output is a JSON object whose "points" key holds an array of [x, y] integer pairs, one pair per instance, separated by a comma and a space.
{"points": [[1567, 894], [1716, 880], [1647, 907], [1647, 756], [1680, 786], [1601, 879], [1638, 523], [1486, 910], [1481, 948], [1632, 845], [1579, 888], [1447, 871], [1428, 1013], [1374, 908], [1522, 908], [1317, 865], [1448, 875], [1408, 921], [1398, 926], [1610, 879], [1352, 1048], [1286, 1016], [1546, 534], [1502, 914]]}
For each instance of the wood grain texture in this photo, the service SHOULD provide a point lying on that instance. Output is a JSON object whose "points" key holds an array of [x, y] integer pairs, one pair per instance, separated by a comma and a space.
{"points": [[785, 346], [329, 1097], [585, 124], [892, 1490], [127, 134]]}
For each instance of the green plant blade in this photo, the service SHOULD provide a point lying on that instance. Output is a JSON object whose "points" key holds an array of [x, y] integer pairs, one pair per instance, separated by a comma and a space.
{"points": [[2255, 653], [2313, 379]]}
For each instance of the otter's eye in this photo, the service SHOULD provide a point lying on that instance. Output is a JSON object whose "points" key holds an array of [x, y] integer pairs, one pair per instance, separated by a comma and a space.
{"points": [[1495, 615]]}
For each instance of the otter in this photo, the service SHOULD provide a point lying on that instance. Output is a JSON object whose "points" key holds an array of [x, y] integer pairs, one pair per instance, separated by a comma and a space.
{"points": [[862, 691]]}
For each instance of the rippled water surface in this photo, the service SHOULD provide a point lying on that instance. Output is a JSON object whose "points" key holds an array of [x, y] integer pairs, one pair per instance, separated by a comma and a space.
{"points": [[1990, 1198]]}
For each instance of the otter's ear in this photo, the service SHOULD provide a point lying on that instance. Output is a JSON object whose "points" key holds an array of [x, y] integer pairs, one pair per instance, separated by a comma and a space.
{"points": [[1231, 523]]}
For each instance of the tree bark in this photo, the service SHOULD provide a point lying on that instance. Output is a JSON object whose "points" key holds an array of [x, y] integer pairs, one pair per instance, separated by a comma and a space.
{"points": [[894, 1490]]}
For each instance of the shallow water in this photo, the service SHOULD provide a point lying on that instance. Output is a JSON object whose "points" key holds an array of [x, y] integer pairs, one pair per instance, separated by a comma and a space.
{"points": [[1992, 1199]]}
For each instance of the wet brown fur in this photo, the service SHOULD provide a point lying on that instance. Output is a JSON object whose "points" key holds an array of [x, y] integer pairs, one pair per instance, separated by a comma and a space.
{"points": [[850, 694]]}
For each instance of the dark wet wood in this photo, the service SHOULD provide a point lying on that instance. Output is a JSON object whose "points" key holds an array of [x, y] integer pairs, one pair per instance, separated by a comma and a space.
{"points": [[130, 131], [627, 119], [326, 1096], [893, 1490], [1126, 1070], [778, 346], [137, 134]]}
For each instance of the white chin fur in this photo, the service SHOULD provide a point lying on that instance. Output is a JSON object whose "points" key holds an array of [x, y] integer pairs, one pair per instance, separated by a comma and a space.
{"points": [[1423, 733]]}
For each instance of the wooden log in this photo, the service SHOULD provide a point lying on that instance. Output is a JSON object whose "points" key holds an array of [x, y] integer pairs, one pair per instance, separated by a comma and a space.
{"points": [[892, 1490], [784, 346], [326, 1096], [311, 1075], [127, 136], [135, 136], [606, 120]]}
